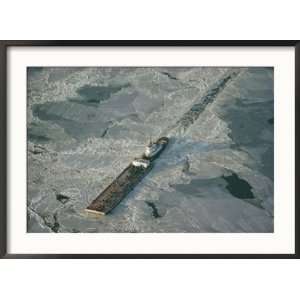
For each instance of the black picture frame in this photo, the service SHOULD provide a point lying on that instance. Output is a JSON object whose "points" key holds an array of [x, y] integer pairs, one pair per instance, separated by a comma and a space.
{"points": [[4, 45]]}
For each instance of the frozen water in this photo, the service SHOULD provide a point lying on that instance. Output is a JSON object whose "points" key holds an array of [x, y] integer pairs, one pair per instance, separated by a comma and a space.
{"points": [[85, 125]]}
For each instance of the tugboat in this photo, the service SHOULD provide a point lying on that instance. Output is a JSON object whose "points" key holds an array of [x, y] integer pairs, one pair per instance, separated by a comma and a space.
{"points": [[153, 150]]}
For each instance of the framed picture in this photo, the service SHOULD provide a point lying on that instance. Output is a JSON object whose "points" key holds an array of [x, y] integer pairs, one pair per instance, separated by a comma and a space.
{"points": [[149, 149]]}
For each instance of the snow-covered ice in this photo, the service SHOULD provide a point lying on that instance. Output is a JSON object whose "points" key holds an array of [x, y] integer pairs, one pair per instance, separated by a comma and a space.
{"points": [[85, 125]]}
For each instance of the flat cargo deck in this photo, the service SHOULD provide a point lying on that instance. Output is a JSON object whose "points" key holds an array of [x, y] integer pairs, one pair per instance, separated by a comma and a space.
{"points": [[118, 189]]}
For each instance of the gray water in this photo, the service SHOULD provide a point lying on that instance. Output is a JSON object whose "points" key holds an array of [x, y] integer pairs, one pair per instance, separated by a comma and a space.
{"points": [[86, 124]]}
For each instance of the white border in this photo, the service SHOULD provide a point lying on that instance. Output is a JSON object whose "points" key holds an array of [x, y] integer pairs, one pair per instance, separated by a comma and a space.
{"points": [[283, 238]]}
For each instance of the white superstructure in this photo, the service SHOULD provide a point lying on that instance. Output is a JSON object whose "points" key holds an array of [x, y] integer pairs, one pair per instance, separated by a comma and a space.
{"points": [[140, 162], [152, 149]]}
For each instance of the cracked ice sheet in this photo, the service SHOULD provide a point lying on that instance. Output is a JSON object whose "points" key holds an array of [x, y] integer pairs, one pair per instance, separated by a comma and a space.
{"points": [[85, 125]]}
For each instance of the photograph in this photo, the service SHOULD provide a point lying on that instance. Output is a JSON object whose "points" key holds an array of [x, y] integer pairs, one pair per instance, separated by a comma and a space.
{"points": [[149, 150], [162, 149]]}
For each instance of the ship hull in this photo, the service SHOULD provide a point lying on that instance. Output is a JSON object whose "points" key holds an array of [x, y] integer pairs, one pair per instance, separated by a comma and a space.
{"points": [[163, 142], [123, 185]]}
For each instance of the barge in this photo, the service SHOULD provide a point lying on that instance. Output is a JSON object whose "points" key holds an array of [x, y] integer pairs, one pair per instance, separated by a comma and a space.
{"points": [[128, 179]]}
